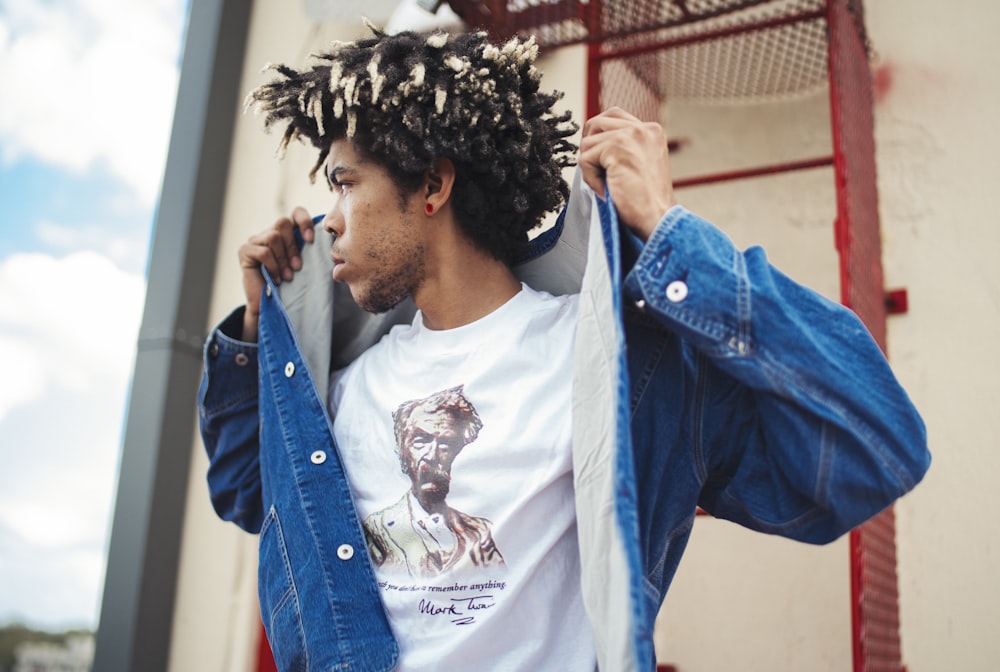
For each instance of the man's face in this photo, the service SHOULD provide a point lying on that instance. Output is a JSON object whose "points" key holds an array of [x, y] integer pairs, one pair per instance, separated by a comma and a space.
{"points": [[430, 445], [379, 250]]}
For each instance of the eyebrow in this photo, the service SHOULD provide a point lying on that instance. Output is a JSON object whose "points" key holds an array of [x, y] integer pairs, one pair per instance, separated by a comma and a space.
{"points": [[338, 171]]}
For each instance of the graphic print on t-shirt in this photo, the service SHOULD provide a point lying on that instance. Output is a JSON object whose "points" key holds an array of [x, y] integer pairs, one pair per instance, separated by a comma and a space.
{"points": [[475, 554], [421, 535]]}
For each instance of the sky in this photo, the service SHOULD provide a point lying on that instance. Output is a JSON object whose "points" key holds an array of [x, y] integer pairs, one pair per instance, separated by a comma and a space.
{"points": [[87, 92]]}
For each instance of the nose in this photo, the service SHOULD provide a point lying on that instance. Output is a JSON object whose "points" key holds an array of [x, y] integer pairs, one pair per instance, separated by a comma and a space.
{"points": [[333, 222]]}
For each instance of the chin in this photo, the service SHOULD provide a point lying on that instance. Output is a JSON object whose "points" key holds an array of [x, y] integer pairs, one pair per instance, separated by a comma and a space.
{"points": [[376, 304], [434, 492]]}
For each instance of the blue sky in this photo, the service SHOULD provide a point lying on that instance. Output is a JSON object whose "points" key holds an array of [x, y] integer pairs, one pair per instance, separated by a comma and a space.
{"points": [[88, 97]]}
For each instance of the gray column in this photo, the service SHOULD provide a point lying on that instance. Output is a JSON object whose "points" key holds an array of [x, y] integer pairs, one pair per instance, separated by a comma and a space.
{"points": [[137, 610]]}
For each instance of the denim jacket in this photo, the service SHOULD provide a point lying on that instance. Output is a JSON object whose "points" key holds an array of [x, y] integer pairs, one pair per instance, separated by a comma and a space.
{"points": [[703, 377]]}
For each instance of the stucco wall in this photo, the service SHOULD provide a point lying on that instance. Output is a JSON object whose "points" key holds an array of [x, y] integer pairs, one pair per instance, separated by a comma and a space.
{"points": [[939, 163]]}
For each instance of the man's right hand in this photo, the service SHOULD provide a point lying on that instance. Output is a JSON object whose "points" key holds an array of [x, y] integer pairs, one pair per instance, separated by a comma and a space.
{"points": [[274, 249]]}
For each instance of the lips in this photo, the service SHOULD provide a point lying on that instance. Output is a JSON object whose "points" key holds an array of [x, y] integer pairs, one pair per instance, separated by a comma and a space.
{"points": [[338, 265], [433, 479]]}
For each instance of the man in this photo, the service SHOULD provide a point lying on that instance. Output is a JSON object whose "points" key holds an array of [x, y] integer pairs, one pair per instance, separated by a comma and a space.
{"points": [[629, 365], [420, 534]]}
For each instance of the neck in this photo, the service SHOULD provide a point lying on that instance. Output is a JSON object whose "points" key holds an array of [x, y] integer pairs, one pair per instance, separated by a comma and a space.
{"points": [[463, 284]]}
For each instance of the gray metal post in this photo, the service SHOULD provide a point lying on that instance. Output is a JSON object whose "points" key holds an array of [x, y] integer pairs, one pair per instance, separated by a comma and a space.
{"points": [[137, 609]]}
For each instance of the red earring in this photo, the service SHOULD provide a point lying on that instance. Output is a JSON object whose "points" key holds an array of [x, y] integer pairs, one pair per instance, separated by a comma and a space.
{"points": [[429, 208]]}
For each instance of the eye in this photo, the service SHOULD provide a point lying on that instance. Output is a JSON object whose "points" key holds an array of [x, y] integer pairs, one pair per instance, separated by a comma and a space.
{"points": [[337, 185]]}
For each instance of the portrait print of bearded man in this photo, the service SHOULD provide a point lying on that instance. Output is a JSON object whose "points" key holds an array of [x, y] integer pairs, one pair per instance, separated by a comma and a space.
{"points": [[420, 534]]}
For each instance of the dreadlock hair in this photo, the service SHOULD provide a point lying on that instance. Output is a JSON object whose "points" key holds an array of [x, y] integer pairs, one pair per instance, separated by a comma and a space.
{"points": [[408, 99]]}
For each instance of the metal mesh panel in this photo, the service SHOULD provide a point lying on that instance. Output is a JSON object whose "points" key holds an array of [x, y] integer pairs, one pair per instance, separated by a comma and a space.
{"points": [[858, 238], [632, 84], [720, 50], [771, 50], [767, 63], [561, 22]]}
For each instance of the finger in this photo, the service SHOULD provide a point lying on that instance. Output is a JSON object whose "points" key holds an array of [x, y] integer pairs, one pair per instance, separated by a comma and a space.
{"points": [[257, 253], [612, 119], [594, 147], [286, 247], [302, 219], [275, 250], [600, 158], [617, 112], [592, 171]]}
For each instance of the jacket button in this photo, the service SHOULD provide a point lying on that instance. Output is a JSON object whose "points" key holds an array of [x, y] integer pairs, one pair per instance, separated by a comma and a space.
{"points": [[213, 350], [345, 551], [241, 359], [677, 291], [641, 304], [267, 290], [289, 369], [318, 457]]}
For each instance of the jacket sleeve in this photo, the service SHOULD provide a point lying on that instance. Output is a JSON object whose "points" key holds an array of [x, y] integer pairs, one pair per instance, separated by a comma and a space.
{"points": [[228, 417], [803, 430]]}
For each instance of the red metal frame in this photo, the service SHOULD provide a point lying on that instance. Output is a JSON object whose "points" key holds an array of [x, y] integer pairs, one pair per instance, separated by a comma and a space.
{"points": [[759, 171], [501, 22], [265, 659], [711, 35], [594, 66], [897, 302], [874, 586]]}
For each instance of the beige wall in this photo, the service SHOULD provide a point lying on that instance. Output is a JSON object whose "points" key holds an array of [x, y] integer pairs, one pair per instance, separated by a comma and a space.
{"points": [[745, 601], [939, 165]]}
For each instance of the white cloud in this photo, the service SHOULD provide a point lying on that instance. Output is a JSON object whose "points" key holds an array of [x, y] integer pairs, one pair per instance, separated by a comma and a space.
{"points": [[127, 250], [52, 588], [68, 329], [69, 322], [91, 82], [19, 362]]}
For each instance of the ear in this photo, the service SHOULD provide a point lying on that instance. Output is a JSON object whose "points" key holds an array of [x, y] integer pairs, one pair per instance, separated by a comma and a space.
{"points": [[440, 180]]}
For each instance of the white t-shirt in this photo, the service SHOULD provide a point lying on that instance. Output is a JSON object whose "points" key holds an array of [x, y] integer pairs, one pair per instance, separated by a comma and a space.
{"points": [[478, 559]]}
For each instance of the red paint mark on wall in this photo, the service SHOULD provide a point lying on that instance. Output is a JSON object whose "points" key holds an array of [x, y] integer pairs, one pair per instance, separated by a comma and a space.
{"points": [[882, 76]]}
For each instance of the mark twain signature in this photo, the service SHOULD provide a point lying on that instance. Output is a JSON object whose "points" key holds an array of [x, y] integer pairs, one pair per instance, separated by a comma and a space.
{"points": [[460, 608]]}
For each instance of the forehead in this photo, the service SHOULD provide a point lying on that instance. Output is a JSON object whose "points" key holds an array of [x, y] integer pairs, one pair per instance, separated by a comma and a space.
{"points": [[343, 150], [344, 156], [438, 423]]}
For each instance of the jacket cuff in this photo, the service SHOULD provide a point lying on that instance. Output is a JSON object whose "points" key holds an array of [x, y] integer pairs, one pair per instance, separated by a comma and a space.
{"points": [[230, 366], [691, 277]]}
